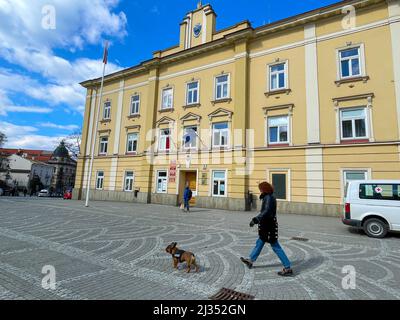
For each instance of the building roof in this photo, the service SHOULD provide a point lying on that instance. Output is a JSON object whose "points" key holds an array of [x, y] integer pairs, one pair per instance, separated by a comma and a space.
{"points": [[36, 155], [61, 151], [300, 19]]}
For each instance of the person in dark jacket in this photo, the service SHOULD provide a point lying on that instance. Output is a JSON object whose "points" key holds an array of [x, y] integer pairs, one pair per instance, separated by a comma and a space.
{"points": [[187, 196], [268, 230]]}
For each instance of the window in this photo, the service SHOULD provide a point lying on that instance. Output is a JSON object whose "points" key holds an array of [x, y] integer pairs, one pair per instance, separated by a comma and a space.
{"points": [[279, 184], [380, 191], [219, 183], [165, 140], [190, 137], [349, 64], [103, 145], [107, 111], [220, 134], [192, 93], [278, 130], [162, 178], [129, 179], [353, 123], [135, 104], [278, 76], [132, 142], [167, 99], [100, 180], [350, 175], [222, 87]]}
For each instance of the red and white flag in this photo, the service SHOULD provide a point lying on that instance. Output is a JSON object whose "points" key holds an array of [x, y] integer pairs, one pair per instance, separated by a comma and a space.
{"points": [[105, 56]]}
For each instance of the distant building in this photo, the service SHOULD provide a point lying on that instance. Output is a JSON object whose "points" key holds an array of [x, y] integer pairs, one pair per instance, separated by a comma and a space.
{"points": [[65, 169], [20, 170], [36, 155]]}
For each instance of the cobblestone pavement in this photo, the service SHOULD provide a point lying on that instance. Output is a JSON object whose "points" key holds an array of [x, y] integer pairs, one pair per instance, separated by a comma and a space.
{"points": [[117, 251]]}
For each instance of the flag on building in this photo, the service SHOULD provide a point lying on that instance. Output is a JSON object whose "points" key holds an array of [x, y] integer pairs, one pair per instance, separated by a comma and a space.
{"points": [[105, 56]]}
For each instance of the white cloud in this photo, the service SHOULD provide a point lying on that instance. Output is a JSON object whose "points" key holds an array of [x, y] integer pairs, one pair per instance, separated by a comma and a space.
{"points": [[26, 137], [24, 42], [69, 127], [24, 109]]}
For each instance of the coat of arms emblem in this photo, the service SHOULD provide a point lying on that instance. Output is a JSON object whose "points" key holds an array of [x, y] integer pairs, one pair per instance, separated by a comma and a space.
{"points": [[197, 30]]}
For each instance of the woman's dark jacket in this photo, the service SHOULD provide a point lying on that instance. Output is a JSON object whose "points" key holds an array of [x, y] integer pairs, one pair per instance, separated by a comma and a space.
{"points": [[266, 220]]}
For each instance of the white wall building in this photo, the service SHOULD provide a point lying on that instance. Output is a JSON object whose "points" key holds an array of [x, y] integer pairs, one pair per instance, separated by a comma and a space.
{"points": [[21, 170]]}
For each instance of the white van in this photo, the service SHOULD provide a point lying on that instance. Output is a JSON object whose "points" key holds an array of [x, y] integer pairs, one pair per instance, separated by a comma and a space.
{"points": [[373, 205]]}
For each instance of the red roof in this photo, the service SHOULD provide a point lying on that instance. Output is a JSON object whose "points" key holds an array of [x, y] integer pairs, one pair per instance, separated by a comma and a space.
{"points": [[37, 155]]}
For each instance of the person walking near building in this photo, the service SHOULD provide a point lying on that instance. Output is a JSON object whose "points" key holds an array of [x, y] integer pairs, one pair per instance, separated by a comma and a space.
{"points": [[25, 192], [187, 196], [268, 230]]}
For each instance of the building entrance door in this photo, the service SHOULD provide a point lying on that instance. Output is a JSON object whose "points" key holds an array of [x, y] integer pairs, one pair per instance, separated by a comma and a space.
{"points": [[191, 177]]}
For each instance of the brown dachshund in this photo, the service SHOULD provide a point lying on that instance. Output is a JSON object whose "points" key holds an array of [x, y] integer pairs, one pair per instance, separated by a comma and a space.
{"points": [[180, 256]]}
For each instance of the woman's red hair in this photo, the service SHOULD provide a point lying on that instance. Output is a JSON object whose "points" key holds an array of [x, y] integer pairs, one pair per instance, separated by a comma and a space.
{"points": [[265, 187]]}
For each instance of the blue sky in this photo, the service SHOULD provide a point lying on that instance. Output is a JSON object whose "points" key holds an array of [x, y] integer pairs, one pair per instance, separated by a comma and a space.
{"points": [[40, 68]]}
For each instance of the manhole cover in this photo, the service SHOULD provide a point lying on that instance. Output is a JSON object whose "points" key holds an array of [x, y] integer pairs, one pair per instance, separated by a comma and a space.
{"points": [[300, 239], [228, 294]]}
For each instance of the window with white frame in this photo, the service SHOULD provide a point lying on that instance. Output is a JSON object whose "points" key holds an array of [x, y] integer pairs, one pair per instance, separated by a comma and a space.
{"points": [[135, 104], [219, 183], [103, 145], [278, 76], [190, 137], [132, 142], [129, 181], [167, 98], [107, 110], [220, 134], [278, 130], [100, 180], [350, 62], [162, 181], [353, 124], [222, 87], [351, 175], [164, 140], [192, 93]]}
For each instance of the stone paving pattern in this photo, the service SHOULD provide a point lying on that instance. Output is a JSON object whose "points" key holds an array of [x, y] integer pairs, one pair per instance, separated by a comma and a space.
{"points": [[117, 251]]}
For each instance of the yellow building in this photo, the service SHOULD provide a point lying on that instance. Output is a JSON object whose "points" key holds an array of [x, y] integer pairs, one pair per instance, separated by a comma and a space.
{"points": [[308, 103]]}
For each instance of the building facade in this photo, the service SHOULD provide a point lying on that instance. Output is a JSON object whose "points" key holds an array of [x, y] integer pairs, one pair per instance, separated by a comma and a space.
{"points": [[308, 103], [21, 170], [64, 169]]}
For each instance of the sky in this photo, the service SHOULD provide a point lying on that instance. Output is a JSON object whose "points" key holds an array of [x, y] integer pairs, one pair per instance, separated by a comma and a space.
{"points": [[47, 47]]}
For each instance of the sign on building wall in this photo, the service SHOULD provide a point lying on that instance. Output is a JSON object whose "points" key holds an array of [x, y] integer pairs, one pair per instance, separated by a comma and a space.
{"points": [[172, 172], [204, 180]]}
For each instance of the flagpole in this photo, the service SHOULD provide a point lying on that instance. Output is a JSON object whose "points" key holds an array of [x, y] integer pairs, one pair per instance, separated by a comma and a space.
{"points": [[96, 127]]}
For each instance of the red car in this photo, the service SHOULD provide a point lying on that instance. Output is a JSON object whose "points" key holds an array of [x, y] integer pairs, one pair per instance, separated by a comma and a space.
{"points": [[68, 195]]}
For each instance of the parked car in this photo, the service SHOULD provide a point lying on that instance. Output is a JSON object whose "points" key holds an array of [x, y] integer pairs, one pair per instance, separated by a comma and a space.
{"points": [[44, 193], [68, 195], [374, 206]]}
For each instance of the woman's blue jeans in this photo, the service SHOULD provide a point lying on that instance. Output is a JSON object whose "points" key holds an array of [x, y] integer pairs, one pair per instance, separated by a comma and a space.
{"points": [[277, 249]]}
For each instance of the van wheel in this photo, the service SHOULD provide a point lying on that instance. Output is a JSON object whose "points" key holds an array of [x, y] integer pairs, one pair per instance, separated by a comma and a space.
{"points": [[376, 228]]}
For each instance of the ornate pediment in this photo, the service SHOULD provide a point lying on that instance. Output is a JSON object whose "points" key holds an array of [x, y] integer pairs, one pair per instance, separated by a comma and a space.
{"points": [[165, 120], [191, 117], [221, 112]]}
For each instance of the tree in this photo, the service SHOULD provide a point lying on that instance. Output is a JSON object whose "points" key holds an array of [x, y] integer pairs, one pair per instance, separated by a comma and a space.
{"points": [[3, 139], [3, 157], [73, 143]]}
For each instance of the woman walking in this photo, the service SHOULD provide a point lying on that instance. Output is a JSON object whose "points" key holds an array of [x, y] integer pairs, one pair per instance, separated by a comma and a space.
{"points": [[268, 230]]}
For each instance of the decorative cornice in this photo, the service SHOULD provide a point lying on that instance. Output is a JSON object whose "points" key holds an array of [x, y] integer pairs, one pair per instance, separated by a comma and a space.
{"points": [[221, 112], [289, 106], [355, 97], [191, 116]]}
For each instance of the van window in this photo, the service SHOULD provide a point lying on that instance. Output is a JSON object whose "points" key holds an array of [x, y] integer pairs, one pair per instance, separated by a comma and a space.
{"points": [[379, 191]]}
